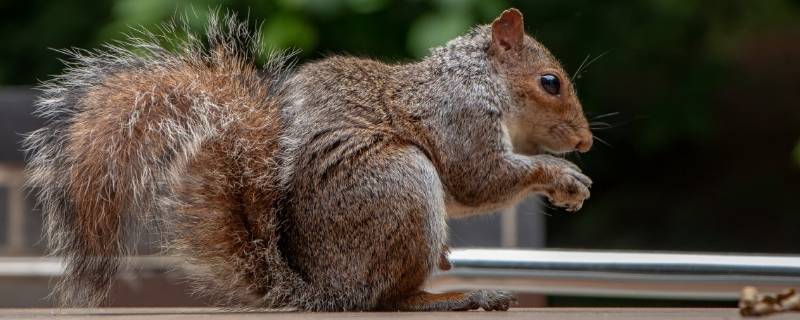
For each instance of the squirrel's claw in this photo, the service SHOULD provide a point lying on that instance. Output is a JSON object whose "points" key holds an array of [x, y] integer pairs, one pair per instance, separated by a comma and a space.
{"points": [[569, 187]]}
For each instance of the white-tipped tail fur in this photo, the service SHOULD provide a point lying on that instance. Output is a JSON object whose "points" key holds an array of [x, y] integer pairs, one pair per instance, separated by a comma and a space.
{"points": [[122, 124]]}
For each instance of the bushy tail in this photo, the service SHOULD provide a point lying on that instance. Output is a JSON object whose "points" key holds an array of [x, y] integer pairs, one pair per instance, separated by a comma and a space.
{"points": [[122, 125]]}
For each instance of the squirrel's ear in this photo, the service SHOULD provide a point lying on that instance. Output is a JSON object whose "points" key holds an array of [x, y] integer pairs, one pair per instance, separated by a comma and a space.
{"points": [[507, 30]]}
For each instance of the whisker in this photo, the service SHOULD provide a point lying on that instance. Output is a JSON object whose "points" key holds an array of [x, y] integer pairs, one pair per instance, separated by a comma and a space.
{"points": [[605, 115], [595, 58], [602, 141], [600, 124], [628, 122], [578, 71], [546, 204], [578, 75]]}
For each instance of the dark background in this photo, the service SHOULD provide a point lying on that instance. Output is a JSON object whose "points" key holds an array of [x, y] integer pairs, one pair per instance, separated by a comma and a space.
{"points": [[701, 97]]}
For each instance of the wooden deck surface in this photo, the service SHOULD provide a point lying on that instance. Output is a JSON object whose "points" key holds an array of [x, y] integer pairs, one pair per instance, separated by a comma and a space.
{"points": [[518, 313]]}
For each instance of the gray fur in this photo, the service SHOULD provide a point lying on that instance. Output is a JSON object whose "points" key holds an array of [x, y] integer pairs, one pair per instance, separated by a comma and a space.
{"points": [[371, 161]]}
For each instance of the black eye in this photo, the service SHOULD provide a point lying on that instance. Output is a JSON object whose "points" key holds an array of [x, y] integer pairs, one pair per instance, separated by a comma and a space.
{"points": [[550, 83]]}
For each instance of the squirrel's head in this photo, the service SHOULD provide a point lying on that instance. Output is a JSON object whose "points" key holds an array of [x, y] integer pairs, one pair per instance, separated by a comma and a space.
{"points": [[547, 115]]}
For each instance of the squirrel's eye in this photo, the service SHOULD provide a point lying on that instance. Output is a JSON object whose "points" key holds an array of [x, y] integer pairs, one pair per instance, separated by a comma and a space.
{"points": [[550, 83]]}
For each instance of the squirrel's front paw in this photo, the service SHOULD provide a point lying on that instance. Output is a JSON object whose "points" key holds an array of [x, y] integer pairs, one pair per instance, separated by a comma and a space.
{"points": [[568, 187]]}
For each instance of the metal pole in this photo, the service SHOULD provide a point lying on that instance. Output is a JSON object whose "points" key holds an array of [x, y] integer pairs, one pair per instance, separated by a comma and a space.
{"points": [[617, 274], [555, 272]]}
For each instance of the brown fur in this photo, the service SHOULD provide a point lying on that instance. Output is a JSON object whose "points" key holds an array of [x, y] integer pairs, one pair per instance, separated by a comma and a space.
{"points": [[326, 189]]}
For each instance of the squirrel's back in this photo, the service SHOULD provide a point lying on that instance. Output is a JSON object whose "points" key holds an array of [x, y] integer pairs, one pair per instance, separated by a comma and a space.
{"points": [[142, 134]]}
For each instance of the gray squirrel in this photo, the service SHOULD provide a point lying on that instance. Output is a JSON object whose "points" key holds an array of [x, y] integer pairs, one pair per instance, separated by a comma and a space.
{"points": [[324, 187]]}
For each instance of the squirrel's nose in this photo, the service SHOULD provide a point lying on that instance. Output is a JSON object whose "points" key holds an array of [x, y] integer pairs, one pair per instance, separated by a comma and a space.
{"points": [[584, 143]]}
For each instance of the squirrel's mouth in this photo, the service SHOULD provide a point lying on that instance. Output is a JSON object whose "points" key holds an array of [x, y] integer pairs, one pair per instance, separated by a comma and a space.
{"points": [[534, 149], [567, 138], [555, 152]]}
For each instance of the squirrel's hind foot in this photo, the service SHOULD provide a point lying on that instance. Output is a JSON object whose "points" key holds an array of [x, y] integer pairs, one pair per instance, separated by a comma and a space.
{"points": [[489, 300]]}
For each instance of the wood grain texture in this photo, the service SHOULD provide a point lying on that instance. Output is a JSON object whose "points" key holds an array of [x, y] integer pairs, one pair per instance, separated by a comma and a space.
{"points": [[519, 313]]}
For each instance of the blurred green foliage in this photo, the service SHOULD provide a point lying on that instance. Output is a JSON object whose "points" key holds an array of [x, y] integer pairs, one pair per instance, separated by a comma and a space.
{"points": [[702, 96], [797, 153]]}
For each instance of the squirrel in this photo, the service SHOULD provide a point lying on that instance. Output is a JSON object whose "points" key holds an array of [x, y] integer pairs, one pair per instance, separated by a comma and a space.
{"points": [[321, 187]]}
